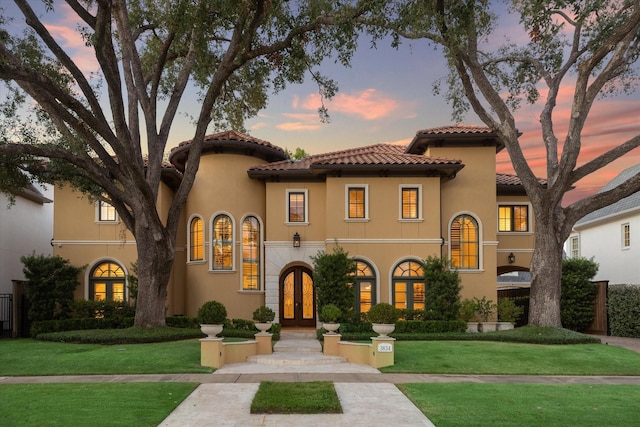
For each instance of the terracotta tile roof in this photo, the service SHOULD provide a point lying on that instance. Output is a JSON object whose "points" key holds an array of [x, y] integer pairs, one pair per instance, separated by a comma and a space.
{"points": [[459, 129], [232, 135], [508, 179], [460, 135]]}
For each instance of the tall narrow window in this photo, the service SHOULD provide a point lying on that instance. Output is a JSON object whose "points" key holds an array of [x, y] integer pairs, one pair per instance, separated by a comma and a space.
{"points": [[357, 203], [626, 236], [575, 248], [222, 243], [107, 282], [464, 243], [408, 285], [364, 287], [410, 200], [196, 240], [297, 206], [106, 212], [250, 254], [513, 218]]}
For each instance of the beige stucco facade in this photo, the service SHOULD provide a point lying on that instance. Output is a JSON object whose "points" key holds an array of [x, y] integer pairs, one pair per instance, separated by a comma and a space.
{"points": [[242, 178]]}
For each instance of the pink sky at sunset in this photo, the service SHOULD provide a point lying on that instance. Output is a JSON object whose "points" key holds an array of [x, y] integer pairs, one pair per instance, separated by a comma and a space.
{"points": [[386, 96]]}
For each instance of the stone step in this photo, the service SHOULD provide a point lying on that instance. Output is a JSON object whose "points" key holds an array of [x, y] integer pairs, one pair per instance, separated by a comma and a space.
{"points": [[298, 346], [292, 334], [296, 359]]}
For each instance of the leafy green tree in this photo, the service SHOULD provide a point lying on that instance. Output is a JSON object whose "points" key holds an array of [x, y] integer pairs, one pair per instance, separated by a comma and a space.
{"points": [[441, 290], [587, 48], [578, 293], [51, 281], [106, 132], [299, 154], [332, 277]]}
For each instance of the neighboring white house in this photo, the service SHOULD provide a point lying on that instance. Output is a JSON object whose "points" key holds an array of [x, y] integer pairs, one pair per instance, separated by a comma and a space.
{"points": [[611, 236], [25, 227]]}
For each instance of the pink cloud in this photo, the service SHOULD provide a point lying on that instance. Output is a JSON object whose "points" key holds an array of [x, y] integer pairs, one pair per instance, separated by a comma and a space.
{"points": [[368, 104], [298, 126]]}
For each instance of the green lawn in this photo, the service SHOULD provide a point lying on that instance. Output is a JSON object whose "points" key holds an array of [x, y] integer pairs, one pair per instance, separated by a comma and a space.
{"points": [[466, 404], [476, 358], [31, 357], [315, 397], [102, 404]]}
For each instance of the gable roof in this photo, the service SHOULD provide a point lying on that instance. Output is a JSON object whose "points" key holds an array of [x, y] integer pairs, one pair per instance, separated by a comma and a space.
{"points": [[623, 206], [372, 160], [456, 135], [229, 141]]}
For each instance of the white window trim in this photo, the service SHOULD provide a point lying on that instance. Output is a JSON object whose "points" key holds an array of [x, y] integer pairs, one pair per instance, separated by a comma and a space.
{"points": [[306, 206], [366, 202], [622, 242], [419, 207], [480, 241], [233, 243], [529, 213], [104, 221], [204, 241], [261, 242], [577, 240]]}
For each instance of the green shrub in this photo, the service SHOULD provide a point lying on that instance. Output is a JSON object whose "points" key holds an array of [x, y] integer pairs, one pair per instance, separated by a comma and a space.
{"points": [[107, 309], [263, 314], [508, 311], [624, 310], [242, 324], [129, 335], [332, 277], [51, 281], [45, 326], [578, 293], [484, 307], [441, 290], [184, 322], [411, 314], [467, 311], [212, 313], [330, 313], [429, 326], [383, 313]]}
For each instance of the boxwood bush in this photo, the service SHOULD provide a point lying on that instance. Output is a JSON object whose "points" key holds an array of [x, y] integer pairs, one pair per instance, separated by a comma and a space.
{"points": [[624, 310]]}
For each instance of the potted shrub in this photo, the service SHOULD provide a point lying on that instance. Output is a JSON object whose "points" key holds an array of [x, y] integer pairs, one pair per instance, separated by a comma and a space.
{"points": [[485, 309], [329, 316], [508, 313], [468, 314], [212, 315], [383, 318], [262, 318]]}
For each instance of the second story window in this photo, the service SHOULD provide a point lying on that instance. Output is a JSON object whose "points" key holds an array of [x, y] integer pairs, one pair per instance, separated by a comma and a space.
{"points": [[222, 243], [464, 241], [357, 202], [513, 218], [575, 248], [196, 240], [106, 212], [297, 206], [626, 236], [410, 202]]}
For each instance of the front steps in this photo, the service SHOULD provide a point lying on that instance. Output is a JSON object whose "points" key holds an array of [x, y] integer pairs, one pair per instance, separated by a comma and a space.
{"points": [[295, 348]]}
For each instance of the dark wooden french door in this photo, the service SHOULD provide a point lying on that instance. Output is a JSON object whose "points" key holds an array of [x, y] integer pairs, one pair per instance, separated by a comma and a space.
{"points": [[297, 297]]}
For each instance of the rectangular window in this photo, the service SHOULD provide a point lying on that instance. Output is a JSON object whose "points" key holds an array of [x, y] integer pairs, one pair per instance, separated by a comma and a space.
{"points": [[626, 236], [357, 203], [106, 212], [410, 202], [513, 218], [297, 206], [575, 248]]}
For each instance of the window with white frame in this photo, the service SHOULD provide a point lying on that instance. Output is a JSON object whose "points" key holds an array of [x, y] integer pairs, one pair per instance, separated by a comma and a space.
{"points": [[222, 243], [105, 212], [357, 202], [575, 247], [626, 236], [410, 202], [297, 206]]}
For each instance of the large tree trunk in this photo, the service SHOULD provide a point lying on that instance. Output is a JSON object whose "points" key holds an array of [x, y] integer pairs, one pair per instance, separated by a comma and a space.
{"points": [[155, 261], [546, 272]]}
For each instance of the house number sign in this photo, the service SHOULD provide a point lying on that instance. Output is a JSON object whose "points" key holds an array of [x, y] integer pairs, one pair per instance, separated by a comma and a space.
{"points": [[385, 348]]}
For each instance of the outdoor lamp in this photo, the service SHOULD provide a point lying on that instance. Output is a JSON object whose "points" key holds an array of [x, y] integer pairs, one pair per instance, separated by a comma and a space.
{"points": [[296, 240], [511, 258]]}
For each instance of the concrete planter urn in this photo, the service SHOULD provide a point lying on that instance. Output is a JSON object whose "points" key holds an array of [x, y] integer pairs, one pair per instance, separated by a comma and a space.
{"points": [[211, 331], [331, 327], [487, 326], [504, 326], [263, 327], [383, 329], [472, 327]]}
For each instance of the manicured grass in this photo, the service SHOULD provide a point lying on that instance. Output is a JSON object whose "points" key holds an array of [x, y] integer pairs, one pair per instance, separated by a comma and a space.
{"points": [[102, 404], [318, 397], [465, 404], [473, 357], [31, 357]]}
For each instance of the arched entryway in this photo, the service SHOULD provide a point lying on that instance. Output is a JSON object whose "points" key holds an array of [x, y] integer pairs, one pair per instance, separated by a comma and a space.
{"points": [[297, 297]]}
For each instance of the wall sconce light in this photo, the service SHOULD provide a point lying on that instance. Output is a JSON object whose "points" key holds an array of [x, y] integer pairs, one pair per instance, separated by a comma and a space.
{"points": [[296, 240], [511, 258]]}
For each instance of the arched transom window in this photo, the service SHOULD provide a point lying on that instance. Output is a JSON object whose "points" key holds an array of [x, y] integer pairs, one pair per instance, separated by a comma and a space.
{"points": [[408, 285], [196, 240], [465, 243], [251, 253], [364, 286], [222, 243], [107, 282]]}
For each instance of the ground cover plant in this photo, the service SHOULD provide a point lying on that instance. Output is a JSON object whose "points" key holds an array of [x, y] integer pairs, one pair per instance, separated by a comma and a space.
{"points": [[31, 357], [317, 397], [498, 358], [94, 404], [467, 404]]}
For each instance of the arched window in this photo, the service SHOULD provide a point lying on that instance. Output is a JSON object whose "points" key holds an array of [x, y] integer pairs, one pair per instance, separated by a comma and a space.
{"points": [[196, 240], [251, 245], [464, 244], [107, 282], [222, 243], [364, 287], [408, 285]]}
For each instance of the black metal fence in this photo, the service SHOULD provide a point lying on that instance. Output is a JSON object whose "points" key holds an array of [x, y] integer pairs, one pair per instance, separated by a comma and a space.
{"points": [[6, 315]]}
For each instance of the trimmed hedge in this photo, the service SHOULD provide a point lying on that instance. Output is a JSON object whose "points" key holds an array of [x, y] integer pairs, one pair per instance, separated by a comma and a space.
{"points": [[624, 310], [122, 336], [46, 326]]}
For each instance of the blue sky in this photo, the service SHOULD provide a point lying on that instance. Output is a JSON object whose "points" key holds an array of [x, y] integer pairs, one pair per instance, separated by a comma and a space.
{"points": [[386, 96]]}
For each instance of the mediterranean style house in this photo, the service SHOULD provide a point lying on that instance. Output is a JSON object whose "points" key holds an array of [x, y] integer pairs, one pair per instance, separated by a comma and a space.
{"points": [[254, 219], [609, 236]]}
